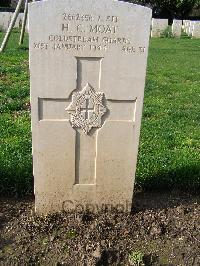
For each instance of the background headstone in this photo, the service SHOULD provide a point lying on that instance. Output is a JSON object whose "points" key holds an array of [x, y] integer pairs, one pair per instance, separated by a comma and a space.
{"points": [[87, 64], [177, 28], [190, 27], [19, 20], [186, 26], [5, 18], [196, 30], [14, 3], [1, 20], [158, 27]]}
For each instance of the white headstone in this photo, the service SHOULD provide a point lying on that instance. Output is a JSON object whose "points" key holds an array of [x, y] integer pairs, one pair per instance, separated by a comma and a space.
{"points": [[186, 24], [87, 64], [196, 30], [158, 26], [1, 20], [190, 27], [18, 22], [177, 28], [5, 18]]}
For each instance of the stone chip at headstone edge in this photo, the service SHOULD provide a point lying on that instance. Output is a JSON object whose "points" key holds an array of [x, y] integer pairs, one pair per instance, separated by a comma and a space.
{"points": [[87, 69]]}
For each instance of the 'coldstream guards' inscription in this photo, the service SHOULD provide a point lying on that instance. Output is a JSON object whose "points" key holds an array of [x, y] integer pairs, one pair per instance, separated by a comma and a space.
{"points": [[84, 32]]}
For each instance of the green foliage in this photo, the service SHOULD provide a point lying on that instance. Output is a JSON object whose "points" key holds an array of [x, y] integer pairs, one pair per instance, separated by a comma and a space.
{"points": [[72, 234], [15, 141], [136, 258], [170, 8], [5, 3], [174, 8], [167, 33], [184, 35]]}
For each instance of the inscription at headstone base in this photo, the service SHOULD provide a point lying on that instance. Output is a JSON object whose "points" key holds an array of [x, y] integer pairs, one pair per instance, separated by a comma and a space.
{"points": [[88, 65]]}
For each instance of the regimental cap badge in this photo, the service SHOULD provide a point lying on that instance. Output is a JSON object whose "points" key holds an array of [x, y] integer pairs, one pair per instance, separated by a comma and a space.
{"points": [[86, 109]]}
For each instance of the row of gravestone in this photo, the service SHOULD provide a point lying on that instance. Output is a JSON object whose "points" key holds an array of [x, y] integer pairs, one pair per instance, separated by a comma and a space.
{"points": [[191, 28], [158, 26], [5, 19]]}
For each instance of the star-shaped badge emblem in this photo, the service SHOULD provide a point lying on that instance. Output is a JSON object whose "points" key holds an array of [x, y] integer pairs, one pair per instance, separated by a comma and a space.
{"points": [[86, 109]]}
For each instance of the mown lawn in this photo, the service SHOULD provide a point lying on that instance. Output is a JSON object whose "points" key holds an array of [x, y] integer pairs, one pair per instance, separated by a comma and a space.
{"points": [[15, 141], [169, 155], [170, 138]]}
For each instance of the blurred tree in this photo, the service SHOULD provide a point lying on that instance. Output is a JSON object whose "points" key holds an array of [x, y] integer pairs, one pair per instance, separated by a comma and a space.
{"points": [[5, 3], [169, 8], [13, 3]]}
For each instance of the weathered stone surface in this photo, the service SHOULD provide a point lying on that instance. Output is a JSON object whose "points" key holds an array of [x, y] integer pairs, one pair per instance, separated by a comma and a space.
{"points": [[177, 28], [158, 26], [5, 18], [88, 63]]}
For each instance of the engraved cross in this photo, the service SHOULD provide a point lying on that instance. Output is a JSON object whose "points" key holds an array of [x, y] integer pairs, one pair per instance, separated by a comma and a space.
{"points": [[86, 110]]}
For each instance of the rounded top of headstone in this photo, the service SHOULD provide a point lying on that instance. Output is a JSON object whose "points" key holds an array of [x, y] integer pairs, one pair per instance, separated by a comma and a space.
{"points": [[90, 2]]}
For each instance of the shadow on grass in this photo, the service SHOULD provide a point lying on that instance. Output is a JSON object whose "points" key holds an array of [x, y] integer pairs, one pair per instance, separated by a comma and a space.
{"points": [[23, 48], [186, 178], [15, 183], [168, 189]]}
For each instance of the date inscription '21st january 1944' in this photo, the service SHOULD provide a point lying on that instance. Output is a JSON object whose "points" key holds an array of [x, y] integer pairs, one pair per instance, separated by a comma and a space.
{"points": [[87, 67]]}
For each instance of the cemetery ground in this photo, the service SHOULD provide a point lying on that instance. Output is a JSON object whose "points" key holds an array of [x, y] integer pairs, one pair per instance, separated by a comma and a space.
{"points": [[163, 228]]}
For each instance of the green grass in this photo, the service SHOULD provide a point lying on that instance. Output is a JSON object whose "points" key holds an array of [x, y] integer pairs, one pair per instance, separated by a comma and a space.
{"points": [[169, 155], [15, 137]]}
